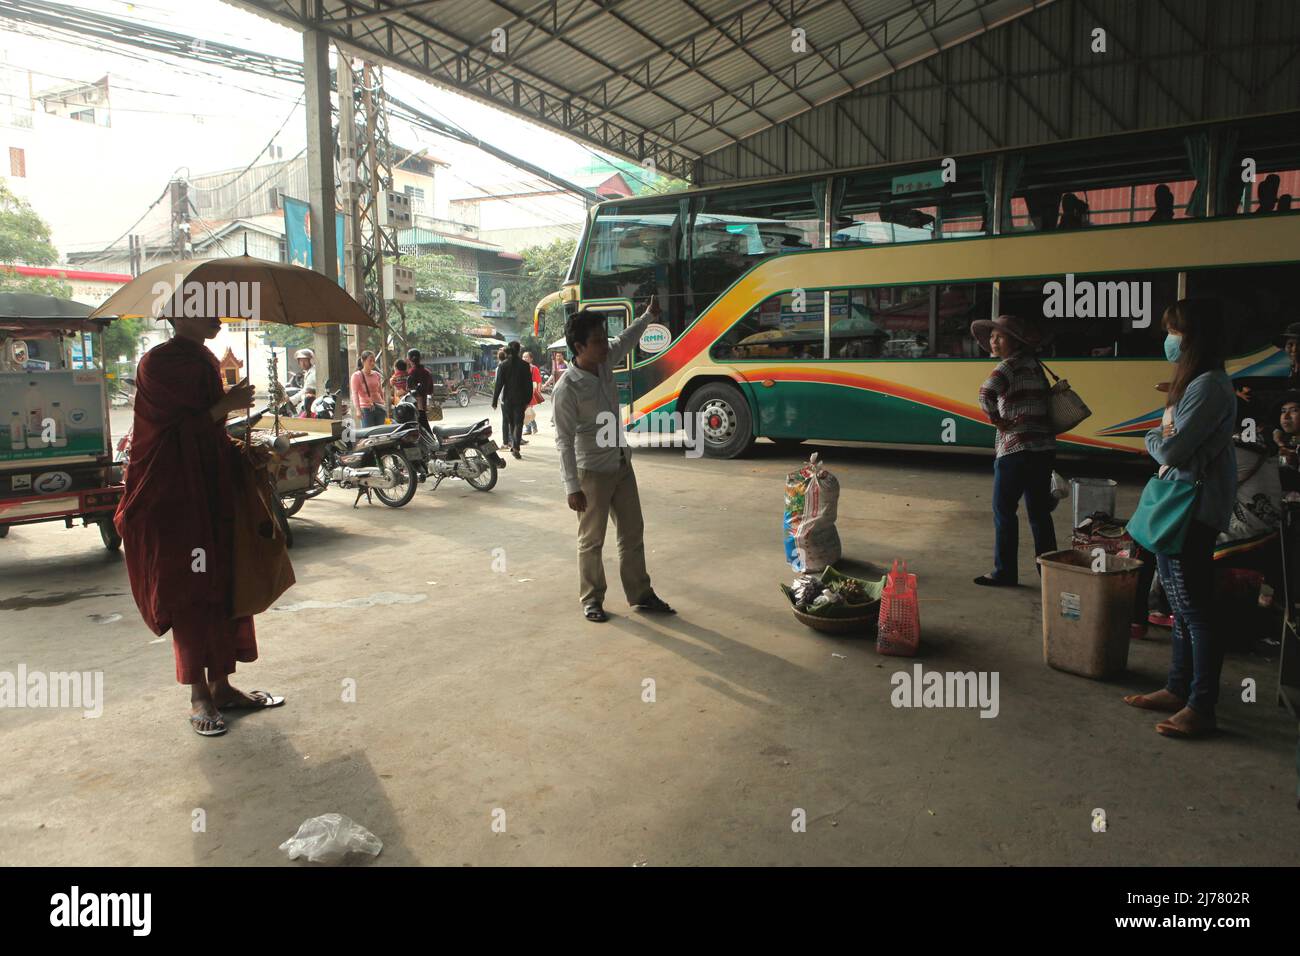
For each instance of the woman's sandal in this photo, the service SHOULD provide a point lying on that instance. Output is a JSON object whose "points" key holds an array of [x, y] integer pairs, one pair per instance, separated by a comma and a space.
{"points": [[259, 702], [217, 731], [1144, 702], [595, 613], [1167, 728]]}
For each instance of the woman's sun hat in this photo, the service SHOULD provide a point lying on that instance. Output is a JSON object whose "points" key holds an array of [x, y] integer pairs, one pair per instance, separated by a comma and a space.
{"points": [[1292, 332], [1023, 332]]}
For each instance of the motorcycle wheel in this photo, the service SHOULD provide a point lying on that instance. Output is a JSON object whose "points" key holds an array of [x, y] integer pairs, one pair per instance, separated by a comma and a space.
{"points": [[108, 534], [462, 398], [405, 490], [486, 479], [292, 504]]}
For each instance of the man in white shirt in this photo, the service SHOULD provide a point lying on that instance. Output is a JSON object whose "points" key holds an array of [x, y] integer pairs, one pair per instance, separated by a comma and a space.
{"points": [[597, 471], [307, 363]]}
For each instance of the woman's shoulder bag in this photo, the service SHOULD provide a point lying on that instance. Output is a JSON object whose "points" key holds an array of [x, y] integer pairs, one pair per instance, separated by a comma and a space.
{"points": [[1065, 409]]}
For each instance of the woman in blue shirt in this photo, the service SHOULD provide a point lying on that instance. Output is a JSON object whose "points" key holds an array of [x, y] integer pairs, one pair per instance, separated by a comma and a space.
{"points": [[1194, 444]]}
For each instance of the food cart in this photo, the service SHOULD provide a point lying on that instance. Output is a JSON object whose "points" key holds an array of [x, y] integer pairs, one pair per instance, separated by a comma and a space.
{"points": [[55, 442]]}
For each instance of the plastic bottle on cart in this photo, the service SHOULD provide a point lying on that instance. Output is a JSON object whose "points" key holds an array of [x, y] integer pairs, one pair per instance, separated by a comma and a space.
{"points": [[17, 432], [35, 413], [60, 425]]}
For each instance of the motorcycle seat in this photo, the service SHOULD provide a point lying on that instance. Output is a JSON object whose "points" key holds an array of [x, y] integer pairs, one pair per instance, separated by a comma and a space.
{"points": [[361, 433], [445, 432]]}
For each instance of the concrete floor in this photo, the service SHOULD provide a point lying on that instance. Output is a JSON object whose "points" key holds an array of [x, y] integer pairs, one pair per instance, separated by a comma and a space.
{"points": [[489, 691]]}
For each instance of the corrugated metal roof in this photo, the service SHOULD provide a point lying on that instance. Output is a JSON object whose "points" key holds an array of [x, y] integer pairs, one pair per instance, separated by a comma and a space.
{"points": [[668, 80]]}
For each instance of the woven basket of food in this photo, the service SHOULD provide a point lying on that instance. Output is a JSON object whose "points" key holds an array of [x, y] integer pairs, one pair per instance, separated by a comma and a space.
{"points": [[835, 603]]}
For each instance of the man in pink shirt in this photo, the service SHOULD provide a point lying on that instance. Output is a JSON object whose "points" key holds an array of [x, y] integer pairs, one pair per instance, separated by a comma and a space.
{"points": [[367, 393]]}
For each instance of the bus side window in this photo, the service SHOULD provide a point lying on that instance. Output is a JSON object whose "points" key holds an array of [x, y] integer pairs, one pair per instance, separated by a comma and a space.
{"points": [[923, 203], [1258, 302], [782, 327], [734, 230]]}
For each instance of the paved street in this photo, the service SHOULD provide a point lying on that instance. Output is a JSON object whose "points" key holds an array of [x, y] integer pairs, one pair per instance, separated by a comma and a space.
{"points": [[481, 689]]}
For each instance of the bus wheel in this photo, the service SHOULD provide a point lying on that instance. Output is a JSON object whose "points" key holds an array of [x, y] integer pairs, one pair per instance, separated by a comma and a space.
{"points": [[723, 420]]}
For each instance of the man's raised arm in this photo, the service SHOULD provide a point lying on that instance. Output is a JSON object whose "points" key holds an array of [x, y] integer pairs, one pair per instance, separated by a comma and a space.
{"points": [[623, 343]]}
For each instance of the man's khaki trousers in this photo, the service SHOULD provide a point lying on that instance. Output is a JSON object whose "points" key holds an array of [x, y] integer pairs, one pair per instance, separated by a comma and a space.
{"points": [[611, 493]]}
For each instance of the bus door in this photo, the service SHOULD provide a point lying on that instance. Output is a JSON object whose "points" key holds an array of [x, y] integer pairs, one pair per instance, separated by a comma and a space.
{"points": [[618, 315]]}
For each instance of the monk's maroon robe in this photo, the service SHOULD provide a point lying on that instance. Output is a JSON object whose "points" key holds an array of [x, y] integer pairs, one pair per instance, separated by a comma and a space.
{"points": [[176, 515]]}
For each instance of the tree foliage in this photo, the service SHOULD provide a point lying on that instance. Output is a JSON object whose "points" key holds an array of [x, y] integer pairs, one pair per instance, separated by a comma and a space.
{"points": [[25, 240], [24, 235], [543, 272], [437, 321], [122, 338]]}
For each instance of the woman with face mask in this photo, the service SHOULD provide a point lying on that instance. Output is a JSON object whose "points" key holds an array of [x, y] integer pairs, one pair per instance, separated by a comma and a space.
{"points": [[1194, 444]]}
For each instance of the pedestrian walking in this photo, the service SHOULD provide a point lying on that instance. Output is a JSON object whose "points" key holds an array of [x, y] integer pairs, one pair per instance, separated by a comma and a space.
{"points": [[1015, 398], [176, 519], [530, 415], [1196, 447], [419, 382], [514, 386], [368, 393], [596, 465]]}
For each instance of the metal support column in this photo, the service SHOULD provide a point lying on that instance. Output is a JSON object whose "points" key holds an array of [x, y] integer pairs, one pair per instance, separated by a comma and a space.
{"points": [[320, 187]]}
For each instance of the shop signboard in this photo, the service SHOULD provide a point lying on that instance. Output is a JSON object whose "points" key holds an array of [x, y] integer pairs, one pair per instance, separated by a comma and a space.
{"points": [[297, 235], [45, 416]]}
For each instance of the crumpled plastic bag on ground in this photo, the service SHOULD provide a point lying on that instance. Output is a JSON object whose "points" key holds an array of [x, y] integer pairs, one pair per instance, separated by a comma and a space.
{"points": [[329, 837]]}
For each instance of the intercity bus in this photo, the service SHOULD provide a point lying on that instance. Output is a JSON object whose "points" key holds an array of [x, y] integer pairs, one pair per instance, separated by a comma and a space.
{"points": [[837, 307]]}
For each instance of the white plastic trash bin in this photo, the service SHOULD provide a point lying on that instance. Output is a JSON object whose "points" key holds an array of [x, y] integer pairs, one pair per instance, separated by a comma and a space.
{"points": [[1091, 494]]}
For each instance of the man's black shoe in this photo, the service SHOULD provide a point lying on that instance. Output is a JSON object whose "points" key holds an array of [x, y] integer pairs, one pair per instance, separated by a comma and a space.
{"points": [[655, 604]]}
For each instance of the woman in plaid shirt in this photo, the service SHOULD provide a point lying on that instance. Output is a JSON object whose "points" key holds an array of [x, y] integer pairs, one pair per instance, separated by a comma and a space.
{"points": [[1015, 398]]}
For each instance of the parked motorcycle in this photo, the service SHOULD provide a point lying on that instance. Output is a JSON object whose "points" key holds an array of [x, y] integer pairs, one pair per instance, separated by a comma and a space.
{"points": [[447, 451], [374, 460]]}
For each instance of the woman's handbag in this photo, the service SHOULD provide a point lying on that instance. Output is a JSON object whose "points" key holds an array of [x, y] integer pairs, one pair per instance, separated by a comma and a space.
{"points": [[1163, 515], [1065, 409]]}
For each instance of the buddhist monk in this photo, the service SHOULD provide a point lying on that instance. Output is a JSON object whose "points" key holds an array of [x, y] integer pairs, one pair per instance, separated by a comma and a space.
{"points": [[176, 519]]}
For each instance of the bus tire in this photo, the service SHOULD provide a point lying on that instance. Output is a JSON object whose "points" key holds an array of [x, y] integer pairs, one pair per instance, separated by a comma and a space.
{"points": [[726, 425]]}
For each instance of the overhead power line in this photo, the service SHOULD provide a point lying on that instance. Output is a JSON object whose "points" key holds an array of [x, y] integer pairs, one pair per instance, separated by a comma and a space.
{"points": [[140, 35]]}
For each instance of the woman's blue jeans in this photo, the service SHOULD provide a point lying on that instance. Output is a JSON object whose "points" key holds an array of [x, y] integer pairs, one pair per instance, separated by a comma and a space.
{"points": [[1026, 474], [1197, 652]]}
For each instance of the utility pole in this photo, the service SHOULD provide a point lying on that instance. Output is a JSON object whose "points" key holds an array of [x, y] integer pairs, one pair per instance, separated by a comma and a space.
{"points": [[135, 254], [320, 186], [180, 197], [351, 188], [377, 211]]}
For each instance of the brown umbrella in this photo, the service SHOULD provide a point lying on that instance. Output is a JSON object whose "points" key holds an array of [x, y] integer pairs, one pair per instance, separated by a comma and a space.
{"points": [[239, 289]]}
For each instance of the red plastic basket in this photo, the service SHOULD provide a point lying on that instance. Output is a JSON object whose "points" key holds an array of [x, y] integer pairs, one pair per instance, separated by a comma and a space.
{"points": [[899, 630]]}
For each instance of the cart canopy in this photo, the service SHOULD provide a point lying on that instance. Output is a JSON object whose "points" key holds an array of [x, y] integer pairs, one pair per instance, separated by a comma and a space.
{"points": [[30, 313]]}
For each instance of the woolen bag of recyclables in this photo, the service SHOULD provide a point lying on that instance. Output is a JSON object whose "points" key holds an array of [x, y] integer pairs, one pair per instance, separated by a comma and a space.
{"points": [[811, 498]]}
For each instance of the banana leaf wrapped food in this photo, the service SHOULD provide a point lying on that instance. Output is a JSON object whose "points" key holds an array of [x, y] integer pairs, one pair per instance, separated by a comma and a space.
{"points": [[834, 595]]}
